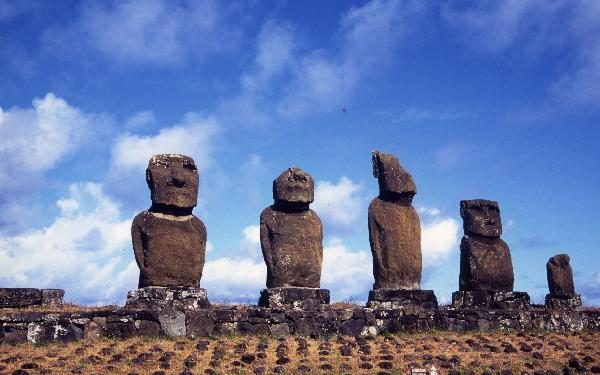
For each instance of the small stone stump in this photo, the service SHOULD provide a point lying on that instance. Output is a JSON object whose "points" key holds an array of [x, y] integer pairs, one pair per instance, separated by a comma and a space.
{"points": [[23, 297], [167, 298], [294, 298], [489, 299], [398, 299], [560, 283]]}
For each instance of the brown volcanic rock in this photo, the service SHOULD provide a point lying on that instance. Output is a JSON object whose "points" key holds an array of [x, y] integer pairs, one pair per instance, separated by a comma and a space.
{"points": [[560, 275], [394, 227], [291, 234], [168, 241], [485, 261]]}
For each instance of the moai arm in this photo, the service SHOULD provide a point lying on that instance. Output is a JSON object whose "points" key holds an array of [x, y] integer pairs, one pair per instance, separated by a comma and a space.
{"points": [[265, 244], [375, 244], [138, 243]]}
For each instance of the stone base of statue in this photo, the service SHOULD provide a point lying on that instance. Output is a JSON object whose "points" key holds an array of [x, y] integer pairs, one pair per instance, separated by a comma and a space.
{"points": [[487, 299], [563, 301], [294, 298], [399, 298], [22, 297], [160, 298]]}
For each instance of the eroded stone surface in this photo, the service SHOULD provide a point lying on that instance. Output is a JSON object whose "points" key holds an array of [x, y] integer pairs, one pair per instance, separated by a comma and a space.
{"points": [[486, 299], [398, 299], [20, 297], [291, 234], [560, 275], [296, 298], [169, 242], [485, 261], [160, 298], [394, 227]]}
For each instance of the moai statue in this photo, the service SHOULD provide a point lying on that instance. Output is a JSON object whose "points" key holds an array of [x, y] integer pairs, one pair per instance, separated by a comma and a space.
{"points": [[169, 242], [560, 282], [395, 238], [486, 273], [291, 238]]}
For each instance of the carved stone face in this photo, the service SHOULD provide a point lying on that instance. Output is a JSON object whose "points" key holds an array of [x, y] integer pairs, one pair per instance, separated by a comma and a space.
{"points": [[481, 217], [294, 186], [173, 180], [391, 176]]}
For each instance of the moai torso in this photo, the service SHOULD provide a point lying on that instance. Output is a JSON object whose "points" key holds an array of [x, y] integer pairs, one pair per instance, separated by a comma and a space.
{"points": [[560, 275], [394, 227], [485, 261], [169, 242], [291, 234]]}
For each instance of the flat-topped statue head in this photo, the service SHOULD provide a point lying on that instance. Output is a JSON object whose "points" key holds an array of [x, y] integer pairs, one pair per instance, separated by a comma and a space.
{"points": [[173, 181], [394, 181], [294, 187], [481, 218]]}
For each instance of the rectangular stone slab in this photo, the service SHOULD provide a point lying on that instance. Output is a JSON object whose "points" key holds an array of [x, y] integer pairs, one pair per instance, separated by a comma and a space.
{"points": [[500, 300], [294, 297], [400, 298], [19, 297]]}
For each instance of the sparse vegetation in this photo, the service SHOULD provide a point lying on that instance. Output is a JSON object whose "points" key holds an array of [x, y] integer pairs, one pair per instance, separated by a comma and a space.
{"points": [[450, 352]]}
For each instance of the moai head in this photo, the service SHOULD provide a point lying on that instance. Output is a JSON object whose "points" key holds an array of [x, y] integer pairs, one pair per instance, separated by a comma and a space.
{"points": [[393, 179], [560, 275], [173, 180], [294, 186], [481, 217]]}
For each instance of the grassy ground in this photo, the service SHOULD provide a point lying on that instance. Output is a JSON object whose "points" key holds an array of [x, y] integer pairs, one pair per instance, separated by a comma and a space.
{"points": [[476, 353]]}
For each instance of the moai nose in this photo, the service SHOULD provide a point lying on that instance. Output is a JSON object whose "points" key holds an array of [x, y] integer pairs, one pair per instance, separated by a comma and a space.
{"points": [[177, 179]]}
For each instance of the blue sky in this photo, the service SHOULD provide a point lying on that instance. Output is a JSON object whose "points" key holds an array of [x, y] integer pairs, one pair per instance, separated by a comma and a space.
{"points": [[489, 99]]}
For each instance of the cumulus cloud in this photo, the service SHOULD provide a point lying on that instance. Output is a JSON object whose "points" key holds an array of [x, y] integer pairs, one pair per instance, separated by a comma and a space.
{"points": [[86, 250], [140, 119], [157, 32], [347, 274], [340, 205], [439, 241], [35, 139], [192, 137]]}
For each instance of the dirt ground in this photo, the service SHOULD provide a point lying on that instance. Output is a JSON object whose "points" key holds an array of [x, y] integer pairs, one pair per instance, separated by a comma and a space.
{"points": [[448, 352]]}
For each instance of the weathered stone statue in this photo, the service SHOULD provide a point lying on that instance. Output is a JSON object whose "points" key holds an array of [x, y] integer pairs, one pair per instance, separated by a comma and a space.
{"points": [[560, 282], [291, 238], [486, 273], [169, 242], [395, 237]]}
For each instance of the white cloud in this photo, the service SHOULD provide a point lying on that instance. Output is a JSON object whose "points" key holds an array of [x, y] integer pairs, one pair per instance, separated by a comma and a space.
{"points": [[234, 279], [36, 139], [194, 137], [252, 234], [158, 32], [140, 119], [339, 204], [439, 237], [86, 250], [347, 274]]}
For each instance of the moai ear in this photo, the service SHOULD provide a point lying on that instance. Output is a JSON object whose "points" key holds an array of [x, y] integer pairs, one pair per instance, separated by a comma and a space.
{"points": [[149, 178], [375, 159], [463, 208]]}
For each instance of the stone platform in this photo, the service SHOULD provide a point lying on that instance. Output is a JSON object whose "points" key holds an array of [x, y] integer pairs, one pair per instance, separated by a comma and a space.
{"points": [[161, 298], [23, 297], [563, 301], [294, 298], [486, 299], [398, 299]]}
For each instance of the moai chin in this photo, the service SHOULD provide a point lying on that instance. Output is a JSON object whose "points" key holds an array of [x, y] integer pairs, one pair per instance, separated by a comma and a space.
{"points": [[560, 283], [486, 274], [485, 261], [169, 242], [394, 227], [291, 238], [395, 238]]}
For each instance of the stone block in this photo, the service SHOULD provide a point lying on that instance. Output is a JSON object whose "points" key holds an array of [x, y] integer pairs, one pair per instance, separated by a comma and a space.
{"points": [[294, 298], [485, 299], [563, 301], [199, 323], [172, 323], [19, 297], [170, 298], [280, 330], [398, 299], [52, 297]]}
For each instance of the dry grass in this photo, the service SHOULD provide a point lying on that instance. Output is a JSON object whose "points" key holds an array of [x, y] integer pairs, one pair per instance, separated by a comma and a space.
{"points": [[448, 351]]}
